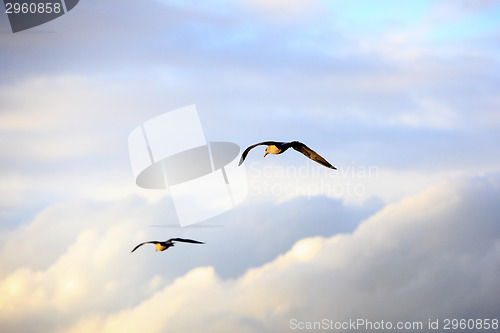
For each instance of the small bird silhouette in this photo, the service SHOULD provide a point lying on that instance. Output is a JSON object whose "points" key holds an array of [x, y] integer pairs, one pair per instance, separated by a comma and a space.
{"points": [[162, 246], [275, 147]]}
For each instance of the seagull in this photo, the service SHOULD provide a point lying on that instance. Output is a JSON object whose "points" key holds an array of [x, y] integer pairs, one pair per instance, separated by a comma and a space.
{"points": [[275, 147], [162, 246]]}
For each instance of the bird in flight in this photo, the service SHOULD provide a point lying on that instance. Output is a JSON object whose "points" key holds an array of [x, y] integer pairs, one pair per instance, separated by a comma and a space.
{"points": [[275, 147], [162, 246]]}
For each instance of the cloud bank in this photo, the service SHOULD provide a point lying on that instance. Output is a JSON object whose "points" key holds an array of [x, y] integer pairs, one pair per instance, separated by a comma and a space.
{"points": [[432, 256]]}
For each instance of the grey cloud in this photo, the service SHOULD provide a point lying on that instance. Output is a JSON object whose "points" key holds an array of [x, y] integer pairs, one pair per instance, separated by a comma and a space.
{"points": [[276, 78], [239, 239]]}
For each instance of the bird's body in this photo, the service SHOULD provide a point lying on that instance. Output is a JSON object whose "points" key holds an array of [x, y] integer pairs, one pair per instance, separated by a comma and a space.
{"points": [[276, 147], [162, 246]]}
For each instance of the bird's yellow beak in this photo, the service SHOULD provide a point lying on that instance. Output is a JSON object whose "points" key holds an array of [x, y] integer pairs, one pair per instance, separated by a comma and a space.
{"points": [[265, 154]]}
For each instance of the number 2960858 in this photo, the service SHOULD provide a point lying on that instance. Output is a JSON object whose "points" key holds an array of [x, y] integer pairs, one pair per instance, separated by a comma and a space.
{"points": [[33, 8]]}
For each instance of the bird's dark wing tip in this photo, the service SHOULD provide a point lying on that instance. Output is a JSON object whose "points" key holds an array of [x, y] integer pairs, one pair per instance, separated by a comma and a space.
{"points": [[138, 246]]}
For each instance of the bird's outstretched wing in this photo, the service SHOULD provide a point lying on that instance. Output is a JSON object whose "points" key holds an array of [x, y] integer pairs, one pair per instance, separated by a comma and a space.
{"points": [[245, 153], [299, 146], [184, 240], [150, 242]]}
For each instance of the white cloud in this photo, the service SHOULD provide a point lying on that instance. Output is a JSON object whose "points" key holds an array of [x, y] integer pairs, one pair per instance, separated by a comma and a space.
{"points": [[73, 258], [410, 261]]}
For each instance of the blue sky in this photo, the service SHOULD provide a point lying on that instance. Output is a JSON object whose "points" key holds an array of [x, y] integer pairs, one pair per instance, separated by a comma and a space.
{"points": [[408, 91]]}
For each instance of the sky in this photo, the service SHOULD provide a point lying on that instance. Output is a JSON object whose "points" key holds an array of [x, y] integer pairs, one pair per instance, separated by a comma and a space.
{"points": [[402, 97]]}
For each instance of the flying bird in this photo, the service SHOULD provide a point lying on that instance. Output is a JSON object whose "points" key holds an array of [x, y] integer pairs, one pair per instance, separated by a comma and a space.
{"points": [[162, 246], [274, 147]]}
